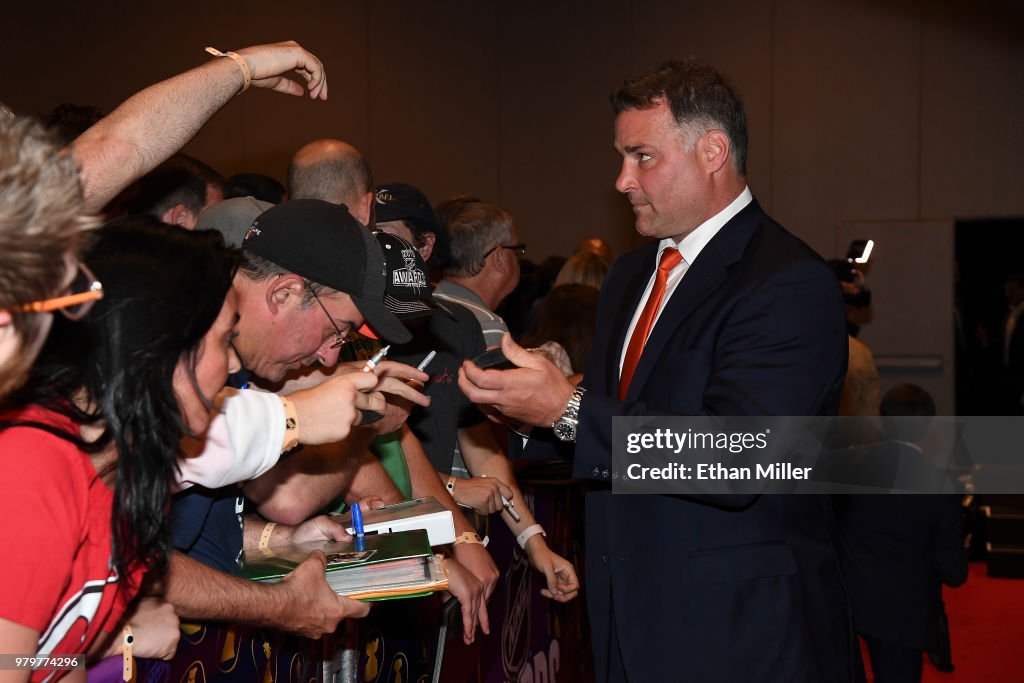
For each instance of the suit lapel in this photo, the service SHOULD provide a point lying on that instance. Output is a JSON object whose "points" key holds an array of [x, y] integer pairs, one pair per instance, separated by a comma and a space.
{"points": [[704, 276]]}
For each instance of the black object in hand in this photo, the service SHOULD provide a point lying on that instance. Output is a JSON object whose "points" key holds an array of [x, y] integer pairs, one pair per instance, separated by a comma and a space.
{"points": [[493, 359], [369, 417]]}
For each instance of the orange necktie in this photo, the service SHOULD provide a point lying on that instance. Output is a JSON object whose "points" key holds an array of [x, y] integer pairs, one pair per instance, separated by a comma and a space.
{"points": [[670, 258]]}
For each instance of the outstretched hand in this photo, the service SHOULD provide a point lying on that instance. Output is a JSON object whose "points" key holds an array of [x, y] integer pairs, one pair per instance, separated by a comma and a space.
{"points": [[535, 392], [327, 412], [269, 64]]}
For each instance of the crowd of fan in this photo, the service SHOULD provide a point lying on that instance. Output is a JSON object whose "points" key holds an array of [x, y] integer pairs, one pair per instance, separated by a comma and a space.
{"points": [[167, 334]]}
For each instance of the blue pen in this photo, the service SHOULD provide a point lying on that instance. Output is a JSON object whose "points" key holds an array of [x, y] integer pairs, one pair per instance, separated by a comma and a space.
{"points": [[357, 527]]}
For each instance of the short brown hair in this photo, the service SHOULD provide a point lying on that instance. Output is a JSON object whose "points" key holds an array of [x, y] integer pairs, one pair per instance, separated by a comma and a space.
{"points": [[699, 97]]}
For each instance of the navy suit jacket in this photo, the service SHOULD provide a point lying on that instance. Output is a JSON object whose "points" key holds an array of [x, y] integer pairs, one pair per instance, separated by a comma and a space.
{"points": [[895, 550], [739, 588]]}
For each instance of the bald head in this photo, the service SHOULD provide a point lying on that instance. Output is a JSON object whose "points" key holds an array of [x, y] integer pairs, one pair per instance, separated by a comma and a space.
{"points": [[595, 246], [333, 171]]}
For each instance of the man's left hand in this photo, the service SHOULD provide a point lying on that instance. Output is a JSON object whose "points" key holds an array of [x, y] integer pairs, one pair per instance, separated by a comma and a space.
{"points": [[559, 574], [535, 392], [319, 528]]}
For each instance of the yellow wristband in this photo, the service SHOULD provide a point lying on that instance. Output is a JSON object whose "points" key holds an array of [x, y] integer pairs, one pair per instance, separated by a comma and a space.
{"points": [[240, 61], [469, 537], [265, 536]]}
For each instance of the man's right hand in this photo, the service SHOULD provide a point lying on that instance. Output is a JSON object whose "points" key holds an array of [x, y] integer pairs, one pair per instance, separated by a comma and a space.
{"points": [[483, 494], [470, 594], [535, 392], [476, 559], [402, 387], [310, 608], [328, 411], [155, 627], [317, 392]]}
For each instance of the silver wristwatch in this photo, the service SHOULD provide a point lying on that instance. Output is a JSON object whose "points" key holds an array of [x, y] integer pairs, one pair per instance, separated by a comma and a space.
{"points": [[565, 426]]}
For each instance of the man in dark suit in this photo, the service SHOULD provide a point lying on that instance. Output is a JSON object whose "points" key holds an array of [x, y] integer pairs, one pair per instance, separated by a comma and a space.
{"points": [[743, 319], [896, 550]]}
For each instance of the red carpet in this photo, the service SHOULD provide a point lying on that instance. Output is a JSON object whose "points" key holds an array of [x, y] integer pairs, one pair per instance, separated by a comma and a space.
{"points": [[986, 621]]}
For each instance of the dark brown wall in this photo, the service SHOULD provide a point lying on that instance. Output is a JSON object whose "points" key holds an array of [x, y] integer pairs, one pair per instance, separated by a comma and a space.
{"points": [[859, 110]]}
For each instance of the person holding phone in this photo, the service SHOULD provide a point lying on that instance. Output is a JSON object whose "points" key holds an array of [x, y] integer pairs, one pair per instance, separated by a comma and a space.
{"points": [[726, 313]]}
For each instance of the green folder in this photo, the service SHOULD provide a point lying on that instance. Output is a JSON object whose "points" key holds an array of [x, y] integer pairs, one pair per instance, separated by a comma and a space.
{"points": [[386, 566]]}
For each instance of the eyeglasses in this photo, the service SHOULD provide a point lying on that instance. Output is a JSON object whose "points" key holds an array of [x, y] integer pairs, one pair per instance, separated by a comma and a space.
{"points": [[74, 301], [520, 249], [340, 338]]}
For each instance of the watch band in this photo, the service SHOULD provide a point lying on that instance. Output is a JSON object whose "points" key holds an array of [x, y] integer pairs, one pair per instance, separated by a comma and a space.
{"points": [[572, 408], [565, 426], [291, 425]]}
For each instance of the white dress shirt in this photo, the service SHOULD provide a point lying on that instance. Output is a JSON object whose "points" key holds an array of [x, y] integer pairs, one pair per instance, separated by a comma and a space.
{"points": [[689, 248]]}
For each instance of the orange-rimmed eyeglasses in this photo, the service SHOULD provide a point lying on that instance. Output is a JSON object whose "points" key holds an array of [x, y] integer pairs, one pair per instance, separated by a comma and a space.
{"points": [[76, 299]]}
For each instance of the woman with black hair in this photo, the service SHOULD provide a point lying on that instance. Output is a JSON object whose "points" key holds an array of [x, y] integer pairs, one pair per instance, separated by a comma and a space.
{"points": [[88, 454]]}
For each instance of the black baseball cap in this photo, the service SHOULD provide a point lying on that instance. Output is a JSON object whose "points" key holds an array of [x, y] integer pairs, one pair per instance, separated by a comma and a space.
{"points": [[407, 291], [403, 202], [322, 242], [399, 202]]}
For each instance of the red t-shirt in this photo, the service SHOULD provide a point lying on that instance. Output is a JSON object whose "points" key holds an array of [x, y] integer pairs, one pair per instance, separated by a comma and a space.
{"points": [[56, 576]]}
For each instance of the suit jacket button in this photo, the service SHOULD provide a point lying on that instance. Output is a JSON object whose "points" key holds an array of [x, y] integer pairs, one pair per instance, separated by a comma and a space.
{"points": [[604, 558], [604, 473], [595, 472]]}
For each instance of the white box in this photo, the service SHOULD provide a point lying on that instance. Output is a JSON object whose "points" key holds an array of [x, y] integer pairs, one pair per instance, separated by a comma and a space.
{"points": [[417, 513]]}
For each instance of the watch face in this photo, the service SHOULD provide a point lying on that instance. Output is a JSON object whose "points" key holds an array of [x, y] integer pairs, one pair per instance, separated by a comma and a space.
{"points": [[565, 431]]}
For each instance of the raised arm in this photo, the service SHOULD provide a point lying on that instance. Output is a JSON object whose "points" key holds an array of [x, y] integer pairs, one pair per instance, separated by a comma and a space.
{"points": [[156, 122]]}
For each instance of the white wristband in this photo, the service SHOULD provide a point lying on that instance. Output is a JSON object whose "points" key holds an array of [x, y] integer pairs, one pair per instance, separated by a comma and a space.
{"points": [[528, 533]]}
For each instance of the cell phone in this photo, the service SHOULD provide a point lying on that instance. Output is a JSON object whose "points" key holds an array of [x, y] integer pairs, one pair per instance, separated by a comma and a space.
{"points": [[369, 417], [494, 360]]}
